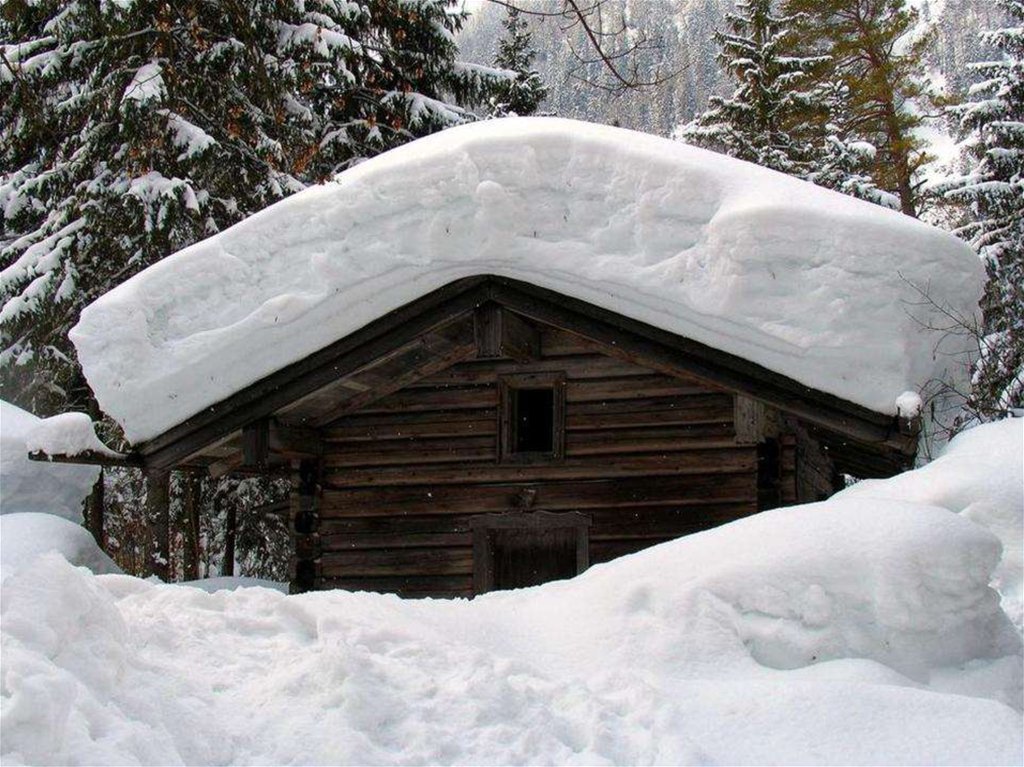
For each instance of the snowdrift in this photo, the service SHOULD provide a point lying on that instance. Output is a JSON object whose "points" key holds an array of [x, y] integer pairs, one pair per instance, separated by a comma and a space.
{"points": [[27, 536], [809, 283], [861, 630], [32, 486]]}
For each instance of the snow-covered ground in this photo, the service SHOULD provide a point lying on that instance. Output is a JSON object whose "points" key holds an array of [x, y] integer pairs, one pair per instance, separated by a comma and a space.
{"points": [[807, 282], [861, 630]]}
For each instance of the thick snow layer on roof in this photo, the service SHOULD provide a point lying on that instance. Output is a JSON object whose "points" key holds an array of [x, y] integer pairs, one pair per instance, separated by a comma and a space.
{"points": [[806, 282], [861, 630]]}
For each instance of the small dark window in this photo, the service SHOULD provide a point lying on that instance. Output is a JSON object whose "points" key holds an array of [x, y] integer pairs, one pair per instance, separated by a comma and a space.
{"points": [[533, 420], [532, 408]]}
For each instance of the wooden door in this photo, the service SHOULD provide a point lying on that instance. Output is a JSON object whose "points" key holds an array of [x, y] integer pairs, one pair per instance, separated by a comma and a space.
{"points": [[520, 549]]}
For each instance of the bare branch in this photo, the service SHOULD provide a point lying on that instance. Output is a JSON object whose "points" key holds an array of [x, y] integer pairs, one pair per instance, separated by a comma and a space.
{"points": [[621, 64]]}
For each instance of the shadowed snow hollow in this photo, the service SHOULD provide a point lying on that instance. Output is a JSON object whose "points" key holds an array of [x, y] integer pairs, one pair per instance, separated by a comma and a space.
{"points": [[809, 283]]}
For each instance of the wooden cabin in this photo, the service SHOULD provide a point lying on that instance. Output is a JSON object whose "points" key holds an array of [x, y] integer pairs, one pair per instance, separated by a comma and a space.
{"points": [[493, 434], [677, 340]]}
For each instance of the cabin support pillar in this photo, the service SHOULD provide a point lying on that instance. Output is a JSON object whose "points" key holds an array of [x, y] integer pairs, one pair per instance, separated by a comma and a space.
{"points": [[192, 502], [158, 515], [305, 515], [95, 504]]}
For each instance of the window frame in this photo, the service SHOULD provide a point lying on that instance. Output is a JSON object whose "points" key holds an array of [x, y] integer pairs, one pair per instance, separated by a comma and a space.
{"points": [[507, 386]]}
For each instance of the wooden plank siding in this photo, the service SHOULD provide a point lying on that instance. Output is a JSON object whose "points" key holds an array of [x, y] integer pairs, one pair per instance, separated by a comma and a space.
{"points": [[648, 457]]}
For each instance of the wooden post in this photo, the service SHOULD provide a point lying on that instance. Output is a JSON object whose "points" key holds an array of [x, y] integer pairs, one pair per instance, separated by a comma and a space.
{"points": [[158, 514], [305, 513], [95, 510], [192, 502]]}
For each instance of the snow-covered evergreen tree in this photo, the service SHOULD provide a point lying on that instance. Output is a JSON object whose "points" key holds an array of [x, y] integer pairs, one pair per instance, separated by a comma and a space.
{"points": [[523, 94], [875, 51], [993, 191], [759, 121], [130, 130], [841, 161]]}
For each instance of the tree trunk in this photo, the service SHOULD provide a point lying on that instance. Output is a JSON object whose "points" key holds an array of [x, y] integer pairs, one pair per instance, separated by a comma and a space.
{"points": [[158, 513], [192, 502]]}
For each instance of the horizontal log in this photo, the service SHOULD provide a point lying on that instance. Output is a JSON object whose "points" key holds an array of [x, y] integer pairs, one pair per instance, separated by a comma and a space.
{"points": [[413, 453], [396, 540], [424, 452], [696, 401], [580, 444], [411, 400], [411, 445], [441, 586], [609, 419], [614, 395], [553, 496], [487, 371], [391, 562], [725, 460], [605, 551], [646, 522], [635, 387], [481, 421], [622, 522], [559, 343], [398, 425]]}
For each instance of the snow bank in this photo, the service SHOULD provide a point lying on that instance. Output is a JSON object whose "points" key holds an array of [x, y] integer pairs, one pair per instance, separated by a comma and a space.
{"points": [[26, 537], [980, 474], [804, 281], [862, 630], [33, 486]]}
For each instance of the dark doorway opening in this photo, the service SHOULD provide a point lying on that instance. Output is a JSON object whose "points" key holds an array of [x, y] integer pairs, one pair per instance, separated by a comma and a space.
{"points": [[520, 549]]}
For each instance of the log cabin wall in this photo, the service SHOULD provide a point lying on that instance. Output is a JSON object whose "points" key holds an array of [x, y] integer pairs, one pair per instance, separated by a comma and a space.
{"points": [[647, 457]]}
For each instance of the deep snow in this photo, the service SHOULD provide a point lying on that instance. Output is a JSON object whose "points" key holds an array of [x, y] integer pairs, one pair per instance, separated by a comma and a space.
{"points": [[24, 537], [807, 282], [33, 486], [861, 630]]}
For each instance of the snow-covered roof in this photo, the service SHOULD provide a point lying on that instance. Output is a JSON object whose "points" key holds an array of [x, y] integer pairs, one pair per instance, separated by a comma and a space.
{"points": [[804, 281]]}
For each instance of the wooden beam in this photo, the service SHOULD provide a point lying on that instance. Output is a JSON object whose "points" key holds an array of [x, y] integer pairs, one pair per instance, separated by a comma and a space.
{"points": [[294, 441], [256, 444], [158, 515], [91, 458], [501, 333], [429, 354]]}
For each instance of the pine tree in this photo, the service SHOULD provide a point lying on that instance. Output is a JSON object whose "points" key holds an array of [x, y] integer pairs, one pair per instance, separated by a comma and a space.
{"points": [[758, 121], [992, 121], [404, 83], [523, 94], [131, 130], [871, 51], [840, 161]]}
